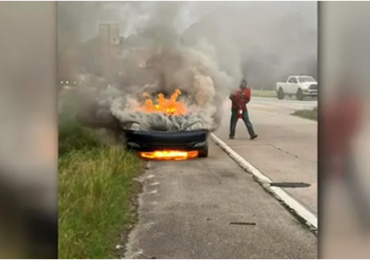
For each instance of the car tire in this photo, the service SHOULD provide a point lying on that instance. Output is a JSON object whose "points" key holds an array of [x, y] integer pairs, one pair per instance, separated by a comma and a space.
{"points": [[300, 95], [204, 152], [280, 94]]}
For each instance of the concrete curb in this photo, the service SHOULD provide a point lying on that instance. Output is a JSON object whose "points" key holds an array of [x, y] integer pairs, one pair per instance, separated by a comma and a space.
{"points": [[293, 205]]}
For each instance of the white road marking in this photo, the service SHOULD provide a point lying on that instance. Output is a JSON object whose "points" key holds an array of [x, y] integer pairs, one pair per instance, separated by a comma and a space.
{"points": [[154, 184], [153, 192], [279, 193]]}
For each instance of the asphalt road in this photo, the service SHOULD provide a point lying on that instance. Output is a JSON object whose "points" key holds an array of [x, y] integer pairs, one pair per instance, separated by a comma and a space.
{"points": [[286, 105], [187, 206], [286, 149]]}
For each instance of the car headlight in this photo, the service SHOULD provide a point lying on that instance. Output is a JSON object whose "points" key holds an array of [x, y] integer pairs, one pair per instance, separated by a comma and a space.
{"points": [[200, 144]]}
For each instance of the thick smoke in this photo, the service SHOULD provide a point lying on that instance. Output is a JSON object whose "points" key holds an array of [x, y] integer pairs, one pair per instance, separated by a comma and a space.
{"points": [[188, 69], [203, 48]]}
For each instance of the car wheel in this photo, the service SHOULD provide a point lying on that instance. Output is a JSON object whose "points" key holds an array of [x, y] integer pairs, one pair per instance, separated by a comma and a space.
{"points": [[300, 95], [280, 94], [204, 152]]}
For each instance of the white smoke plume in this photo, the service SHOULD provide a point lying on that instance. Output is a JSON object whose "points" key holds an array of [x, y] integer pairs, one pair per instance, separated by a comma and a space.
{"points": [[203, 48], [196, 74]]}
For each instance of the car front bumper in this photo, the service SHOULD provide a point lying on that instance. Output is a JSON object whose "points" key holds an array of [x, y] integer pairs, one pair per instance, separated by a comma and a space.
{"points": [[151, 141]]}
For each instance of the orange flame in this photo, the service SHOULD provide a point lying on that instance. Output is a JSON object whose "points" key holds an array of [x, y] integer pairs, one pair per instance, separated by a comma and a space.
{"points": [[169, 106], [169, 155]]}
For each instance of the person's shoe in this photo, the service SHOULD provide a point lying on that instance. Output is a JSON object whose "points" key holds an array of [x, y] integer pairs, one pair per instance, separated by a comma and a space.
{"points": [[231, 137], [254, 137]]}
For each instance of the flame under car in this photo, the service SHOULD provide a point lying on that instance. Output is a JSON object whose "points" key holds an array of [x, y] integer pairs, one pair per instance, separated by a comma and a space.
{"points": [[160, 145]]}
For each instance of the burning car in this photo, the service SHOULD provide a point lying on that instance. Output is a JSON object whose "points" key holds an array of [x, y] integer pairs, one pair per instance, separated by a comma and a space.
{"points": [[161, 142], [168, 145]]}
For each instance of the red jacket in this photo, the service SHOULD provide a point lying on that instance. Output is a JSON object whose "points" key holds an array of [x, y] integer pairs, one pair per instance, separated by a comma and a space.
{"points": [[240, 98]]}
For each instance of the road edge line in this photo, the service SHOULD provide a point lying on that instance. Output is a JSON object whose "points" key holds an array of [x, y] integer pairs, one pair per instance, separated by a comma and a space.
{"points": [[309, 218]]}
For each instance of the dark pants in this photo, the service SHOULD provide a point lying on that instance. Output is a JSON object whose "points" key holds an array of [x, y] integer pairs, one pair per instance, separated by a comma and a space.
{"points": [[234, 120]]}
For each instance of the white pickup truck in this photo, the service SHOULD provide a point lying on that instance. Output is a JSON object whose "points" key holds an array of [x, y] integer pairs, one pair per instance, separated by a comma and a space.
{"points": [[299, 86]]}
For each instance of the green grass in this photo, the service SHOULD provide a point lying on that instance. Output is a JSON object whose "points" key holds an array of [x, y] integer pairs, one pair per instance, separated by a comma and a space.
{"points": [[263, 93], [307, 113], [96, 191]]}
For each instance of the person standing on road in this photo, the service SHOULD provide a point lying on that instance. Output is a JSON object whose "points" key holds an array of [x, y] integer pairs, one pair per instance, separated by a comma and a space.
{"points": [[239, 100]]}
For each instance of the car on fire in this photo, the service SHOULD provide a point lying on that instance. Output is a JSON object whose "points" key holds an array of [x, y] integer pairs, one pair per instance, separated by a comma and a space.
{"points": [[163, 143], [168, 145]]}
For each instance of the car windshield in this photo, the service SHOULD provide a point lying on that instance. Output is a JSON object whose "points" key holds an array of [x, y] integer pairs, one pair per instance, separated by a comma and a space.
{"points": [[306, 79]]}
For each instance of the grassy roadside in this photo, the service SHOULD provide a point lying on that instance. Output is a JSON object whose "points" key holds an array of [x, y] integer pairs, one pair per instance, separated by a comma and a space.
{"points": [[307, 113], [263, 93], [96, 191]]}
